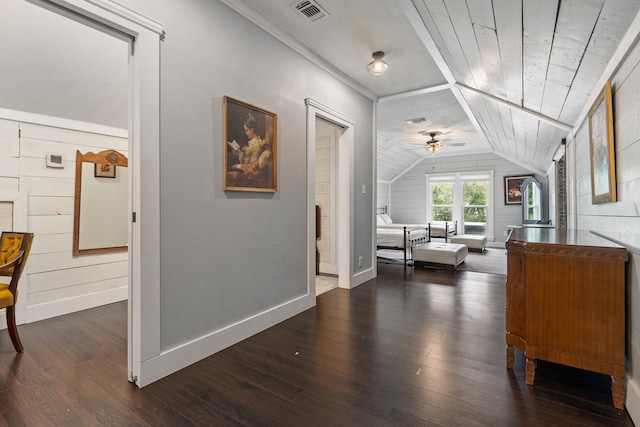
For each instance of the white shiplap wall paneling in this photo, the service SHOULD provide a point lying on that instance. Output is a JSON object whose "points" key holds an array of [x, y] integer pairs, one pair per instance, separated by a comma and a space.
{"points": [[56, 282]]}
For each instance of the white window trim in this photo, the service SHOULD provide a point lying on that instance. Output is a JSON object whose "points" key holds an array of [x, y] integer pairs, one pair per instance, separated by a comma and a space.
{"points": [[458, 200]]}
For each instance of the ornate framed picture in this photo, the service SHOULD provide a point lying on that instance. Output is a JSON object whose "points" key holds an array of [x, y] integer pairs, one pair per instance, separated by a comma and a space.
{"points": [[603, 155], [512, 190], [249, 147], [104, 170]]}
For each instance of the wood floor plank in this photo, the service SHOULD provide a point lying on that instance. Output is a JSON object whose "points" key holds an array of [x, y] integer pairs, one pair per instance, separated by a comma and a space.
{"points": [[422, 347]]}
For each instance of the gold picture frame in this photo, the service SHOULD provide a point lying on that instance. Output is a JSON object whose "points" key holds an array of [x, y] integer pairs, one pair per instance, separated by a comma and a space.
{"points": [[104, 170], [249, 147], [601, 147]]}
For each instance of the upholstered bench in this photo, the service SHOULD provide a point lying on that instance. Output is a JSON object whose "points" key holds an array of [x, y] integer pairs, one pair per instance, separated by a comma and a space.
{"points": [[439, 255], [472, 241]]}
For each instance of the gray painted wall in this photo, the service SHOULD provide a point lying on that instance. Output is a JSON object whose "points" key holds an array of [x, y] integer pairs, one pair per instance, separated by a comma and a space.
{"points": [[59, 68], [227, 256], [408, 194]]}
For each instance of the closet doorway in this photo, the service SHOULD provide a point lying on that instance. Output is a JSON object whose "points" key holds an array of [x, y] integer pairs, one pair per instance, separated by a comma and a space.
{"points": [[326, 184]]}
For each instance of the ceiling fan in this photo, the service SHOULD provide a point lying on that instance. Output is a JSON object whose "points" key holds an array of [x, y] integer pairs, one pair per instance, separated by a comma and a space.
{"points": [[433, 145]]}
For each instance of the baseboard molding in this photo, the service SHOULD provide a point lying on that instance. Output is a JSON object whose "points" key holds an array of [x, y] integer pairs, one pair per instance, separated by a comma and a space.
{"points": [[632, 402], [362, 277], [70, 305], [174, 359], [328, 268], [496, 245]]}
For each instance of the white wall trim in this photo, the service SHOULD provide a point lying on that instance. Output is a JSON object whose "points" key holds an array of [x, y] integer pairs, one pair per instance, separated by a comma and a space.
{"points": [[58, 122], [73, 304], [334, 116], [363, 276], [190, 352], [632, 401], [345, 147], [144, 175], [130, 15], [260, 21]]}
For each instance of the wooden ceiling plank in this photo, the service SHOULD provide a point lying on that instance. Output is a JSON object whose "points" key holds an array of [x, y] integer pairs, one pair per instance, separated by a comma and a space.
{"points": [[531, 125], [508, 17], [546, 145], [494, 121], [507, 124], [464, 28], [442, 21], [477, 108], [430, 26], [615, 19], [555, 95], [575, 23], [519, 127], [539, 17], [481, 12], [488, 44]]}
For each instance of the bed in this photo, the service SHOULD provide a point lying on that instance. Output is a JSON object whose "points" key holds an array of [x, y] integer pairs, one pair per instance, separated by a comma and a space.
{"points": [[437, 229], [404, 239]]}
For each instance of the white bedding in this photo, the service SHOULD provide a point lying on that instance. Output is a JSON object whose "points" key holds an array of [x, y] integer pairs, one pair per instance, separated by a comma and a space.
{"points": [[394, 237], [437, 228]]}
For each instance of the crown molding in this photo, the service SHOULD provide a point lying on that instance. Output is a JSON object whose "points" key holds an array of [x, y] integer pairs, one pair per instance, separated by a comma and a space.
{"points": [[249, 13]]}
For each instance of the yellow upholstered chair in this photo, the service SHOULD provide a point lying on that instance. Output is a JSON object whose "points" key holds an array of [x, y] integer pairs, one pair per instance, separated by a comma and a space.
{"points": [[14, 250]]}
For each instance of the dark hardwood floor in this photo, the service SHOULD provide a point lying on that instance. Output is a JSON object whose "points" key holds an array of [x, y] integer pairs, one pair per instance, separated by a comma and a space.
{"points": [[421, 348]]}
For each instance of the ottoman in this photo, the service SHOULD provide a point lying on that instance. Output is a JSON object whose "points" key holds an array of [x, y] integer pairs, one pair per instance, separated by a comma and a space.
{"points": [[439, 255], [472, 241]]}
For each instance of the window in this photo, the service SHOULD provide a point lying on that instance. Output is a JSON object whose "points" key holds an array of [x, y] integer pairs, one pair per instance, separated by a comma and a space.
{"points": [[442, 201], [475, 207], [463, 197]]}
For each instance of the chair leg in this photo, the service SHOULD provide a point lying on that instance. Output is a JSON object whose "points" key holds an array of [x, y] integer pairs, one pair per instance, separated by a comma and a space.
{"points": [[13, 329]]}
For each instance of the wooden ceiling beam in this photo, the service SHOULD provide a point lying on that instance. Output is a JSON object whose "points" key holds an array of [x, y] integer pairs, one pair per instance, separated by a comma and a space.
{"points": [[551, 121]]}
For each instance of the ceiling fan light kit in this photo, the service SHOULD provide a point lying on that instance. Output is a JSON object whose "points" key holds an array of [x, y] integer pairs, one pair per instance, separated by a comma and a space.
{"points": [[433, 145], [378, 65]]}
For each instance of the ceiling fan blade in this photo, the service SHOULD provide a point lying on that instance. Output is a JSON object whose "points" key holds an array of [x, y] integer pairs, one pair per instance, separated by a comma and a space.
{"points": [[454, 144]]}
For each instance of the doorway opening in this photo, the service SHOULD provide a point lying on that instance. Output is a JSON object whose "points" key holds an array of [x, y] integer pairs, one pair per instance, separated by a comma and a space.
{"points": [[326, 184], [143, 94], [342, 129]]}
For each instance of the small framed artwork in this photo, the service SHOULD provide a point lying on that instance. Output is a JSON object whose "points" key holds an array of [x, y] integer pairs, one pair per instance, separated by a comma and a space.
{"points": [[512, 191], [104, 170], [603, 155], [249, 147]]}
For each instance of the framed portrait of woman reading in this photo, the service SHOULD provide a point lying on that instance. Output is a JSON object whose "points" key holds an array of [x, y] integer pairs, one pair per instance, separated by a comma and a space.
{"points": [[249, 147], [603, 155]]}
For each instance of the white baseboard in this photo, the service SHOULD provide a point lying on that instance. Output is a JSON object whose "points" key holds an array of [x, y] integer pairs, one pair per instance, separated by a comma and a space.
{"points": [[174, 359], [70, 305], [328, 268], [632, 402], [496, 245], [362, 277]]}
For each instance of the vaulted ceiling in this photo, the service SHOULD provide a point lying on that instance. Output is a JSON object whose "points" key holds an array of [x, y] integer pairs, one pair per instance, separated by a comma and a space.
{"points": [[510, 77]]}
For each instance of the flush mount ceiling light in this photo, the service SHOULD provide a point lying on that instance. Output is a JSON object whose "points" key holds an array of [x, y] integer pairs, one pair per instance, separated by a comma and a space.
{"points": [[377, 66]]}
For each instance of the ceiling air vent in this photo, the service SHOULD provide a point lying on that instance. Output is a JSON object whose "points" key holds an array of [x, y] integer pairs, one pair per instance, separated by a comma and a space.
{"points": [[310, 10], [416, 120]]}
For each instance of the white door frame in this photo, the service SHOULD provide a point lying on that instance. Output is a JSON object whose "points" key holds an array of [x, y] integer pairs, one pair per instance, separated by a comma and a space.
{"points": [[345, 146], [144, 176]]}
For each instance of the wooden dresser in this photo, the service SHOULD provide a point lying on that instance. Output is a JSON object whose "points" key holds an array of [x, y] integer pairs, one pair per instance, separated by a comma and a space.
{"points": [[566, 302]]}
